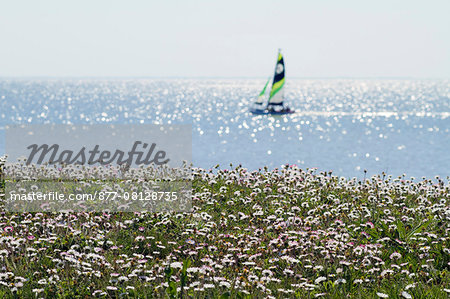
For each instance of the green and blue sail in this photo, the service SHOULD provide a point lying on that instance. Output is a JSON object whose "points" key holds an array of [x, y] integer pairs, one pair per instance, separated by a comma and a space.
{"points": [[276, 93]]}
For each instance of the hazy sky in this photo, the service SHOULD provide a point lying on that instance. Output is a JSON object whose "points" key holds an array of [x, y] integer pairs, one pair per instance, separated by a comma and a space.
{"points": [[383, 38]]}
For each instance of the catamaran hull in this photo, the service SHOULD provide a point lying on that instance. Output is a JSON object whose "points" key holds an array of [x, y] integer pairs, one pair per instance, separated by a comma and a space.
{"points": [[268, 112]]}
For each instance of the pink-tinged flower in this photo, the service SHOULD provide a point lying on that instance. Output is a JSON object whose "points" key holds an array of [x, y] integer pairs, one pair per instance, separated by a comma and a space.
{"points": [[365, 234], [8, 229], [31, 237], [395, 256], [141, 229], [339, 222]]}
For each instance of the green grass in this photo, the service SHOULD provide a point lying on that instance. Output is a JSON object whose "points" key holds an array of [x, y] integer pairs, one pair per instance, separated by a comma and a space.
{"points": [[250, 235]]}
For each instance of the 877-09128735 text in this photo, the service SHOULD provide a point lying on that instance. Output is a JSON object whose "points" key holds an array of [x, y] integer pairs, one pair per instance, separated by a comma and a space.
{"points": [[142, 196]]}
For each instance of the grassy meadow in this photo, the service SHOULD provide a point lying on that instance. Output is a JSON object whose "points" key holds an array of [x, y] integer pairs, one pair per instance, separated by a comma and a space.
{"points": [[284, 233]]}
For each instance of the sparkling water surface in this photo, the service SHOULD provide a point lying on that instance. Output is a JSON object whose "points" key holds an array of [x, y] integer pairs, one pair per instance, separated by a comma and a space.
{"points": [[347, 126]]}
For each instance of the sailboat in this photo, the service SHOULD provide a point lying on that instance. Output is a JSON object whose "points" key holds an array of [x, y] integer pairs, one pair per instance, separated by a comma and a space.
{"points": [[275, 104]]}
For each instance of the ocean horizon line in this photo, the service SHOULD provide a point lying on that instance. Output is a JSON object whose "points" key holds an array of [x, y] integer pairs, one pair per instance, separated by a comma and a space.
{"points": [[215, 78]]}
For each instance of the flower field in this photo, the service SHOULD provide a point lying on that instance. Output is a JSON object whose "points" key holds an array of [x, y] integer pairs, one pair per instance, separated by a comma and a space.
{"points": [[285, 233]]}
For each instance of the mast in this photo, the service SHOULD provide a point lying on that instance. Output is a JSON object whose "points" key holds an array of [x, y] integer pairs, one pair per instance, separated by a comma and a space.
{"points": [[277, 92]]}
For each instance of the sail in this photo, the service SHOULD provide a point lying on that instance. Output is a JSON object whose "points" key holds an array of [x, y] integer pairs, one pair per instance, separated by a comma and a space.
{"points": [[260, 98], [277, 92]]}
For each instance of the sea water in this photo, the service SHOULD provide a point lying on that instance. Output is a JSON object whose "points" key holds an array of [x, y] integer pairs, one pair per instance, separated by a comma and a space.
{"points": [[345, 126]]}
